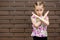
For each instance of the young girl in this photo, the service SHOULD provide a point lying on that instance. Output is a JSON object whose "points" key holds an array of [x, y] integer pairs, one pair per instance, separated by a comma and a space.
{"points": [[39, 22]]}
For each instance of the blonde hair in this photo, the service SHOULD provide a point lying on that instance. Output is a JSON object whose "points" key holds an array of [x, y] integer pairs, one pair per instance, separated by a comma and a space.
{"points": [[39, 3]]}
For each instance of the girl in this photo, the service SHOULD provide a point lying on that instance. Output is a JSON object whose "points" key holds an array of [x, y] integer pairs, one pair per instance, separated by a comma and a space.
{"points": [[39, 22]]}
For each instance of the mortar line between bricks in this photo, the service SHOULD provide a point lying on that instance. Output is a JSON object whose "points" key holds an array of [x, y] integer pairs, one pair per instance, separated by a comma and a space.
{"points": [[13, 17]]}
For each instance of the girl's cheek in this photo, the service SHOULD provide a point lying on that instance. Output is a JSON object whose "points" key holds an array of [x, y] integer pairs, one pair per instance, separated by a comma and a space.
{"points": [[36, 11]]}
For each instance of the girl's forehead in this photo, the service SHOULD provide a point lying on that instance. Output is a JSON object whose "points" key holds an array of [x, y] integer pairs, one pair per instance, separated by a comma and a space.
{"points": [[39, 6]]}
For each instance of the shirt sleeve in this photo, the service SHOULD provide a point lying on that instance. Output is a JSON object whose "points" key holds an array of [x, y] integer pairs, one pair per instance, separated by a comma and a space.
{"points": [[33, 18]]}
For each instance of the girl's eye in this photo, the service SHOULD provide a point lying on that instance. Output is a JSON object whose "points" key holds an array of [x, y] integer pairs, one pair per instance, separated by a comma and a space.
{"points": [[37, 10], [40, 9]]}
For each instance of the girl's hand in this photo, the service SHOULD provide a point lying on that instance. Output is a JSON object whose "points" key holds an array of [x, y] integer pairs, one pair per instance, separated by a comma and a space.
{"points": [[35, 14], [46, 14]]}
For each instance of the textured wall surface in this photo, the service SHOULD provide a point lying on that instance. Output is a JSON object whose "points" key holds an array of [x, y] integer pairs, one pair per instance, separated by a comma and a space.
{"points": [[15, 23]]}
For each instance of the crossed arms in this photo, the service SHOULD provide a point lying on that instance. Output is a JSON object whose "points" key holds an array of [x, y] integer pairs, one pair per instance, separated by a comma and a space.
{"points": [[46, 22]]}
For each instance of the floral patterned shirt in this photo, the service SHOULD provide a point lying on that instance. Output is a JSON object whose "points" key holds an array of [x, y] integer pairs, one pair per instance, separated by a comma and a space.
{"points": [[41, 31]]}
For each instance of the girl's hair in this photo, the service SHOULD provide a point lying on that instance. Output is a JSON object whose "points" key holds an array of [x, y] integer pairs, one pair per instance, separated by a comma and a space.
{"points": [[40, 2]]}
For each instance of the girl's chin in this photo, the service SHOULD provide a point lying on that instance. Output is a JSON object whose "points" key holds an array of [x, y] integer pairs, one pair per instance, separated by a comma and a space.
{"points": [[39, 15]]}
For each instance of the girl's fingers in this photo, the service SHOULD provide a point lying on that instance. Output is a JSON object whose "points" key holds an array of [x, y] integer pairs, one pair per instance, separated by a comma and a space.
{"points": [[33, 13]]}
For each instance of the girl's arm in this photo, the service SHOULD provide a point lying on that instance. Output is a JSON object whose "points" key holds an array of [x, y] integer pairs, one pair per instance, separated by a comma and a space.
{"points": [[36, 24], [46, 14], [46, 22]]}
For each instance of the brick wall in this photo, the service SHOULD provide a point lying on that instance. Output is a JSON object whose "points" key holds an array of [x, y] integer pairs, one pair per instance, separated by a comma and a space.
{"points": [[15, 23]]}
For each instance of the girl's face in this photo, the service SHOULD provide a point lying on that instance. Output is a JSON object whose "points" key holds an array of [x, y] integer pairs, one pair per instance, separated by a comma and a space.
{"points": [[39, 10]]}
